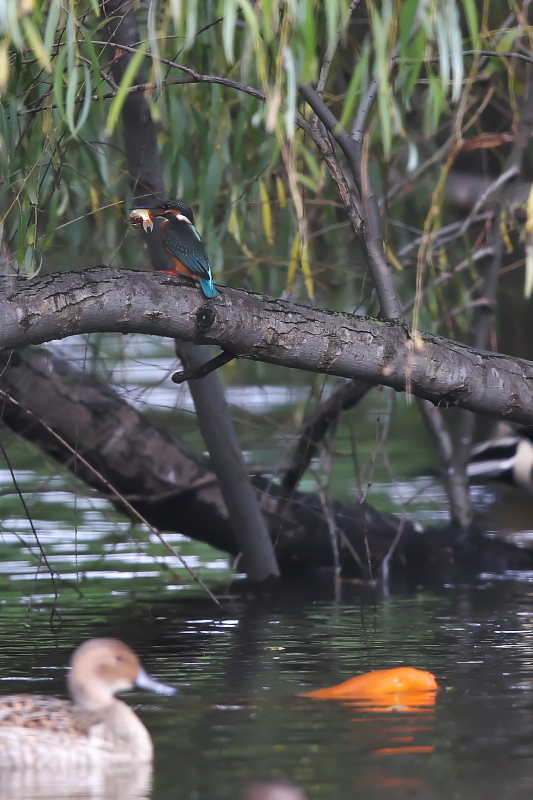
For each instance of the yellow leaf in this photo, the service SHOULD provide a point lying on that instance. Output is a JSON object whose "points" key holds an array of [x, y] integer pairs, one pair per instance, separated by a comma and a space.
{"points": [[505, 232], [529, 223], [233, 225], [300, 255], [95, 205], [36, 43], [528, 288], [306, 269], [48, 120], [417, 339], [295, 257], [4, 66], [267, 212], [392, 258], [282, 194]]}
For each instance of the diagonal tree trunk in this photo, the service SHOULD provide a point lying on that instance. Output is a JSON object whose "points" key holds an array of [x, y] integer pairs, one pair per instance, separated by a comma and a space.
{"points": [[91, 429]]}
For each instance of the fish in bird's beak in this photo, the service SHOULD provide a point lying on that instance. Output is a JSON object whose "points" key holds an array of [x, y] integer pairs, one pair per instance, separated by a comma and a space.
{"points": [[142, 216]]}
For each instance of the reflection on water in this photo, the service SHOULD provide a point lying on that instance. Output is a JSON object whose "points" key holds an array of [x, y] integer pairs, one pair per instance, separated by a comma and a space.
{"points": [[142, 375], [82, 784], [239, 718]]}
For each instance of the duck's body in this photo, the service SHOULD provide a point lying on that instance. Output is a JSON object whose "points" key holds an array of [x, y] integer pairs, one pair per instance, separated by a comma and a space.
{"points": [[96, 729], [507, 458]]}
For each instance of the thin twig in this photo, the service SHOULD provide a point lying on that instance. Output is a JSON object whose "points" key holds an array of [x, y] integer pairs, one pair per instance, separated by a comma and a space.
{"points": [[372, 240], [493, 189]]}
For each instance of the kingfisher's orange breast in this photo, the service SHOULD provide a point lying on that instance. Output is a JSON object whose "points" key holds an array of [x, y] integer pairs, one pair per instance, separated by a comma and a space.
{"points": [[179, 266]]}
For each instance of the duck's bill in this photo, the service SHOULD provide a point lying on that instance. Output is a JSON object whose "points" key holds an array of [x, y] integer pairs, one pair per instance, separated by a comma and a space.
{"points": [[144, 681], [142, 216]]}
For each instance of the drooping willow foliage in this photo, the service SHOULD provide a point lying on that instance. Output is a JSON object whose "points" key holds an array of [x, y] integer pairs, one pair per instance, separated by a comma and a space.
{"points": [[235, 138]]}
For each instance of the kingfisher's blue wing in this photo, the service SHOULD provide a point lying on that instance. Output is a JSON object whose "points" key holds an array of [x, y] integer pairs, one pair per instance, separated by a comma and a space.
{"points": [[184, 242]]}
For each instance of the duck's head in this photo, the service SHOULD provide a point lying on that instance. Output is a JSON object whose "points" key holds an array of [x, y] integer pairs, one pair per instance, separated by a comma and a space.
{"points": [[102, 667]]}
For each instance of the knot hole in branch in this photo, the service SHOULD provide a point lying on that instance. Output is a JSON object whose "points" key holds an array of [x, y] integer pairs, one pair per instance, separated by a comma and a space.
{"points": [[205, 318]]}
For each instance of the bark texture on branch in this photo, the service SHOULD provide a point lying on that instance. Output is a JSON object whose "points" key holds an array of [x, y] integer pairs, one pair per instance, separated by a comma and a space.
{"points": [[265, 329]]}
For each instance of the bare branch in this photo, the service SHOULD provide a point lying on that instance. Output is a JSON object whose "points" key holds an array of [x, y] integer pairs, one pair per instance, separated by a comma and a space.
{"points": [[372, 240], [317, 426]]}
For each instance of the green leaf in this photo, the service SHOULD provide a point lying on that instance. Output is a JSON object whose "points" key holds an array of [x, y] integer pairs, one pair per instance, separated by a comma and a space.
{"points": [[332, 25], [435, 105], [36, 43], [407, 21], [250, 16], [211, 186], [125, 84], [32, 188], [27, 262], [385, 119], [228, 28], [313, 166], [508, 39], [309, 66], [59, 81], [307, 181], [87, 100], [408, 74], [191, 23], [290, 101], [471, 13], [71, 41], [50, 30], [187, 186], [5, 150], [456, 51], [31, 233], [91, 52], [358, 79], [72, 93], [444, 52], [21, 243]]}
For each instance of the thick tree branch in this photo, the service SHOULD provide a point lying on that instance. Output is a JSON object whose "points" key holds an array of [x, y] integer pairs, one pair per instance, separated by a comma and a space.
{"points": [[266, 329]]}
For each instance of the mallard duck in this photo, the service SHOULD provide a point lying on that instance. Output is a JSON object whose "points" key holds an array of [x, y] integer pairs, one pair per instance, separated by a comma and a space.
{"points": [[507, 458]]}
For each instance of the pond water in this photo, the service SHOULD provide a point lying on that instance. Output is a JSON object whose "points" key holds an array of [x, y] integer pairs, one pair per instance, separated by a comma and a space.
{"points": [[82, 571], [238, 717]]}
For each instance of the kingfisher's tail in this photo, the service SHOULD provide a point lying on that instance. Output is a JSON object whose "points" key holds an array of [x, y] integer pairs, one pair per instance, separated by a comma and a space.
{"points": [[208, 287]]}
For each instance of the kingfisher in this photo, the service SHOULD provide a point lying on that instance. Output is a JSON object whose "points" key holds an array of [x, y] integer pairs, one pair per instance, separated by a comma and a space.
{"points": [[182, 241]]}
